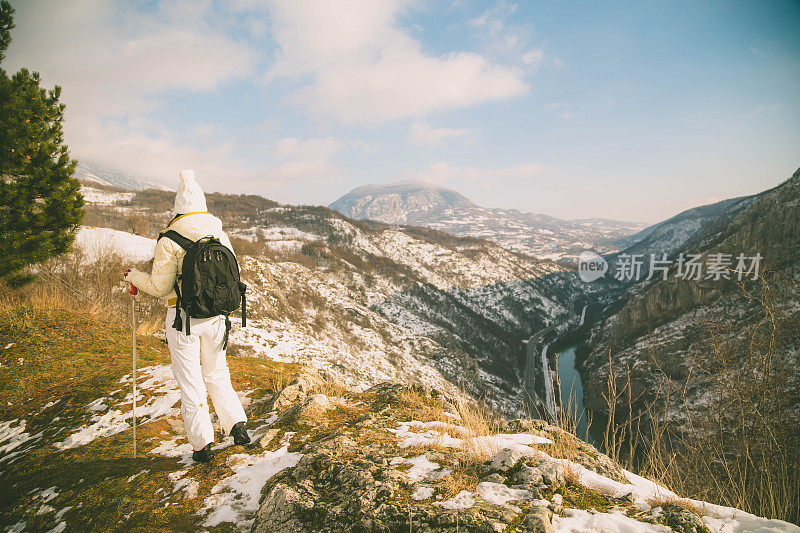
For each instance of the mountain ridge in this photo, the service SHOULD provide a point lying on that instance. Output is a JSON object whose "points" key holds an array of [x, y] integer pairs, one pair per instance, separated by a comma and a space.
{"points": [[430, 205]]}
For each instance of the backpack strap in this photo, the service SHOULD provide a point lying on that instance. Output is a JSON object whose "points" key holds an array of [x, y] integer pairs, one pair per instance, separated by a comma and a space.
{"points": [[227, 331], [173, 235], [178, 323], [243, 289]]}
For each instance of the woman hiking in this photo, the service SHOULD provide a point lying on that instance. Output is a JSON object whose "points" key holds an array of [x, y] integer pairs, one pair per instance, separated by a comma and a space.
{"points": [[198, 350]]}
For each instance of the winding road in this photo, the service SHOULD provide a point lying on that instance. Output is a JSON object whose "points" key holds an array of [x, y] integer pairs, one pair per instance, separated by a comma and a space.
{"points": [[529, 376]]}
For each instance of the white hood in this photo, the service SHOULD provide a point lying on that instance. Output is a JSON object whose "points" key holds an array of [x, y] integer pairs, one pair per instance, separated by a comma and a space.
{"points": [[190, 197]]}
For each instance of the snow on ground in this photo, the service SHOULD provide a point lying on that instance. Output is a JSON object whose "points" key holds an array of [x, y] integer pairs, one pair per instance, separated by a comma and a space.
{"points": [[97, 243], [164, 394], [236, 498], [424, 469], [14, 440], [423, 492], [500, 494], [643, 491], [101, 197], [438, 434], [176, 447], [579, 521]]}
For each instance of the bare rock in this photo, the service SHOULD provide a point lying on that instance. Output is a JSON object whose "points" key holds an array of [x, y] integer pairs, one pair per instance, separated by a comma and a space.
{"points": [[505, 459]]}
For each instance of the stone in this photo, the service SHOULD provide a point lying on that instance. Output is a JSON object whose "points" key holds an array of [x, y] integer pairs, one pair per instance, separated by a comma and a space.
{"points": [[296, 391], [494, 478], [505, 459], [314, 405], [538, 520]]}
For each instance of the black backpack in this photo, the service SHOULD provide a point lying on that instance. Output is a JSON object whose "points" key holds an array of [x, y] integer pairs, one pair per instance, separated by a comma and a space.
{"points": [[208, 284]]}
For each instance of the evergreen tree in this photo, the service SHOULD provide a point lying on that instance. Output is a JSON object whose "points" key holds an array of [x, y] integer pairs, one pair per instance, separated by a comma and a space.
{"points": [[40, 200]]}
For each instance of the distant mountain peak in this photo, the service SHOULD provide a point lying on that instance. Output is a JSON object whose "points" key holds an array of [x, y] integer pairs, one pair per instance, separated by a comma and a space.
{"points": [[89, 172], [401, 202], [426, 204]]}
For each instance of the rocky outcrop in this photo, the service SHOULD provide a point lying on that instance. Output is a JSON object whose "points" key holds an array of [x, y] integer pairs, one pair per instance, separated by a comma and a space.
{"points": [[398, 458]]}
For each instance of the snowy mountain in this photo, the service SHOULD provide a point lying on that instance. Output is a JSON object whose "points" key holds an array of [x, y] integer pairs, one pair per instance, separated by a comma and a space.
{"points": [[89, 173], [672, 234], [423, 204]]}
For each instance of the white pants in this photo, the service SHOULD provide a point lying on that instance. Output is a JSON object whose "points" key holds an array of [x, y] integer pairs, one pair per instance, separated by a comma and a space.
{"points": [[198, 363]]}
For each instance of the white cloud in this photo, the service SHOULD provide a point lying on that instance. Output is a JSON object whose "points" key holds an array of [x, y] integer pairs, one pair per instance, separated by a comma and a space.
{"points": [[423, 134], [533, 57], [355, 63], [114, 63], [442, 172]]}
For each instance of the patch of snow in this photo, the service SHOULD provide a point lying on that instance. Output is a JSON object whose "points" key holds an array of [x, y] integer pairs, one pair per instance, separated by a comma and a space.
{"points": [[235, 499], [423, 492], [61, 526], [14, 440], [463, 500], [171, 448], [580, 521], [435, 435], [47, 494], [500, 494], [134, 476], [62, 512], [422, 468], [101, 197], [189, 485], [97, 243], [18, 527], [156, 380]]}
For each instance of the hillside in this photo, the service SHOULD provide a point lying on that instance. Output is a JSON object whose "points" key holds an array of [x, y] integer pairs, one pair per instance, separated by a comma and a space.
{"points": [[674, 234], [666, 317], [91, 173], [714, 361], [424, 204], [367, 302], [325, 458]]}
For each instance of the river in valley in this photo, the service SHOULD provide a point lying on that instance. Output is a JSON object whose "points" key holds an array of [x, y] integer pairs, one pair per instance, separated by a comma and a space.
{"points": [[572, 392]]}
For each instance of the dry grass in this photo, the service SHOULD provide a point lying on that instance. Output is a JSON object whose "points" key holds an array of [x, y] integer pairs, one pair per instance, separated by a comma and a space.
{"points": [[739, 448], [414, 404], [480, 449], [330, 388], [455, 482], [696, 508], [74, 282]]}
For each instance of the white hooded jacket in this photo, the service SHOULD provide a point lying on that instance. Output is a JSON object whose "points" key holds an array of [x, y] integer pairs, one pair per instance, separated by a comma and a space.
{"points": [[193, 222]]}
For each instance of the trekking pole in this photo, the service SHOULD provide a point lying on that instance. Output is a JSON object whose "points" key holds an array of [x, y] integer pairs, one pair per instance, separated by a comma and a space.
{"points": [[134, 304]]}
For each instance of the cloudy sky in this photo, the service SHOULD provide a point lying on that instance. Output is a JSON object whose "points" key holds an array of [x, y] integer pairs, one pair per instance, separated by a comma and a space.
{"points": [[633, 110]]}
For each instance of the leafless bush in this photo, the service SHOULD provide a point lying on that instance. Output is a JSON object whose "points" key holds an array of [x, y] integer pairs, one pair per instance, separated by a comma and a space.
{"points": [[738, 446], [74, 282]]}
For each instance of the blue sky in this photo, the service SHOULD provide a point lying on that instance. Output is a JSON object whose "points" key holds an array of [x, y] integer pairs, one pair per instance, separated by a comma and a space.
{"points": [[626, 110]]}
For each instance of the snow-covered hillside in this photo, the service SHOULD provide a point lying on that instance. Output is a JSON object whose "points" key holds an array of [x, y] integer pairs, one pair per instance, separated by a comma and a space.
{"points": [[428, 205], [88, 172], [367, 302]]}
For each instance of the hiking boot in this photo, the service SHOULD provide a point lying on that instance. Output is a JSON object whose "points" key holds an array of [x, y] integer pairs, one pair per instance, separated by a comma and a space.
{"points": [[239, 433], [202, 456]]}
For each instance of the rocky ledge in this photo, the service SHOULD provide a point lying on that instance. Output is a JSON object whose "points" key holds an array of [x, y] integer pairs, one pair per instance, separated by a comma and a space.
{"points": [[400, 458]]}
